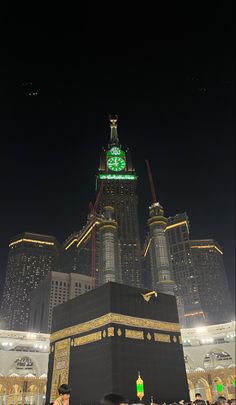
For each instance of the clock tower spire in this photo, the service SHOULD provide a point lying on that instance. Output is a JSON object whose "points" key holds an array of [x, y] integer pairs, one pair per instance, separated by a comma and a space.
{"points": [[114, 140]]}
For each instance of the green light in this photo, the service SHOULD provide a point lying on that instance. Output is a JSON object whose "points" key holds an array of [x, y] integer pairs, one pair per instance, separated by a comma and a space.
{"points": [[115, 151], [234, 381], [117, 177], [116, 163], [140, 388], [219, 387]]}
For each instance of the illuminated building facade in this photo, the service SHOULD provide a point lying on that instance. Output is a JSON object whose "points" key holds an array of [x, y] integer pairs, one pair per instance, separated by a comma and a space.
{"points": [[116, 187], [199, 274], [55, 289], [77, 250], [31, 258], [24, 364], [108, 249], [76, 257], [185, 274], [169, 261], [209, 354], [213, 286], [108, 246], [99, 235]]}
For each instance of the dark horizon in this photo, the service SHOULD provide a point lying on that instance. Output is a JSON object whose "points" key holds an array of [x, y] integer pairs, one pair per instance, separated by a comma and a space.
{"points": [[171, 86]]}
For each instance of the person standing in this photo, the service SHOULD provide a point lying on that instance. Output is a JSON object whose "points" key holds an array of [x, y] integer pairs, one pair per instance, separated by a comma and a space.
{"points": [[64, 395], [199, 400]]}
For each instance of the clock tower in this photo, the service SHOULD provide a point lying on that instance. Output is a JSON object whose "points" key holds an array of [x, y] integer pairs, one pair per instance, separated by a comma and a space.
{"points": [[117, 183]]}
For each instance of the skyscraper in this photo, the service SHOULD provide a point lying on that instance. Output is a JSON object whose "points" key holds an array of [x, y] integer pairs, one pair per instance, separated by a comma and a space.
{"points": [[31, 257], [77, 252], [116, 187], [199, 274], [212, 282], [55, 289], [185, 274], [108, 246]]}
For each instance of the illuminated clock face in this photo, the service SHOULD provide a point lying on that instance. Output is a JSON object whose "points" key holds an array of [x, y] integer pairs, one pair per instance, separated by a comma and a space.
{"points": [[116, 164]]}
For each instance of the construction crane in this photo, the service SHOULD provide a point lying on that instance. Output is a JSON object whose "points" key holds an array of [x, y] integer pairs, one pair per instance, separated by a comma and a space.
{"points": [[94, 211], [154, 197]]}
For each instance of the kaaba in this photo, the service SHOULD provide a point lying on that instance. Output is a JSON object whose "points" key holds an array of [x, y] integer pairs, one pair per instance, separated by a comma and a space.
{"points": [[102, 340]]}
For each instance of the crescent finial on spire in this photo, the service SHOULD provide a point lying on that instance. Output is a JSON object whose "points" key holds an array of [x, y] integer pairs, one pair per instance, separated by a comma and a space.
{"points": [[113, 120], [114, 140]]}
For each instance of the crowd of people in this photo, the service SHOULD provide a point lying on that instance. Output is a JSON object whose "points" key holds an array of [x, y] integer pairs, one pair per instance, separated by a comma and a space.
{"points": [[117, 399]]}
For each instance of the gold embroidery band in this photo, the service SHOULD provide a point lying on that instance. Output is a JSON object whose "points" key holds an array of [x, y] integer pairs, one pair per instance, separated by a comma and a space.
{"points": [[134, 334], [111, 332], [84, 340], [160, 337], [60, 367], [118, 319]]}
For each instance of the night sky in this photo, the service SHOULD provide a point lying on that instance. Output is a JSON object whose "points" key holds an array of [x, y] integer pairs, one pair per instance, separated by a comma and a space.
{"points": [[168, 74]]}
